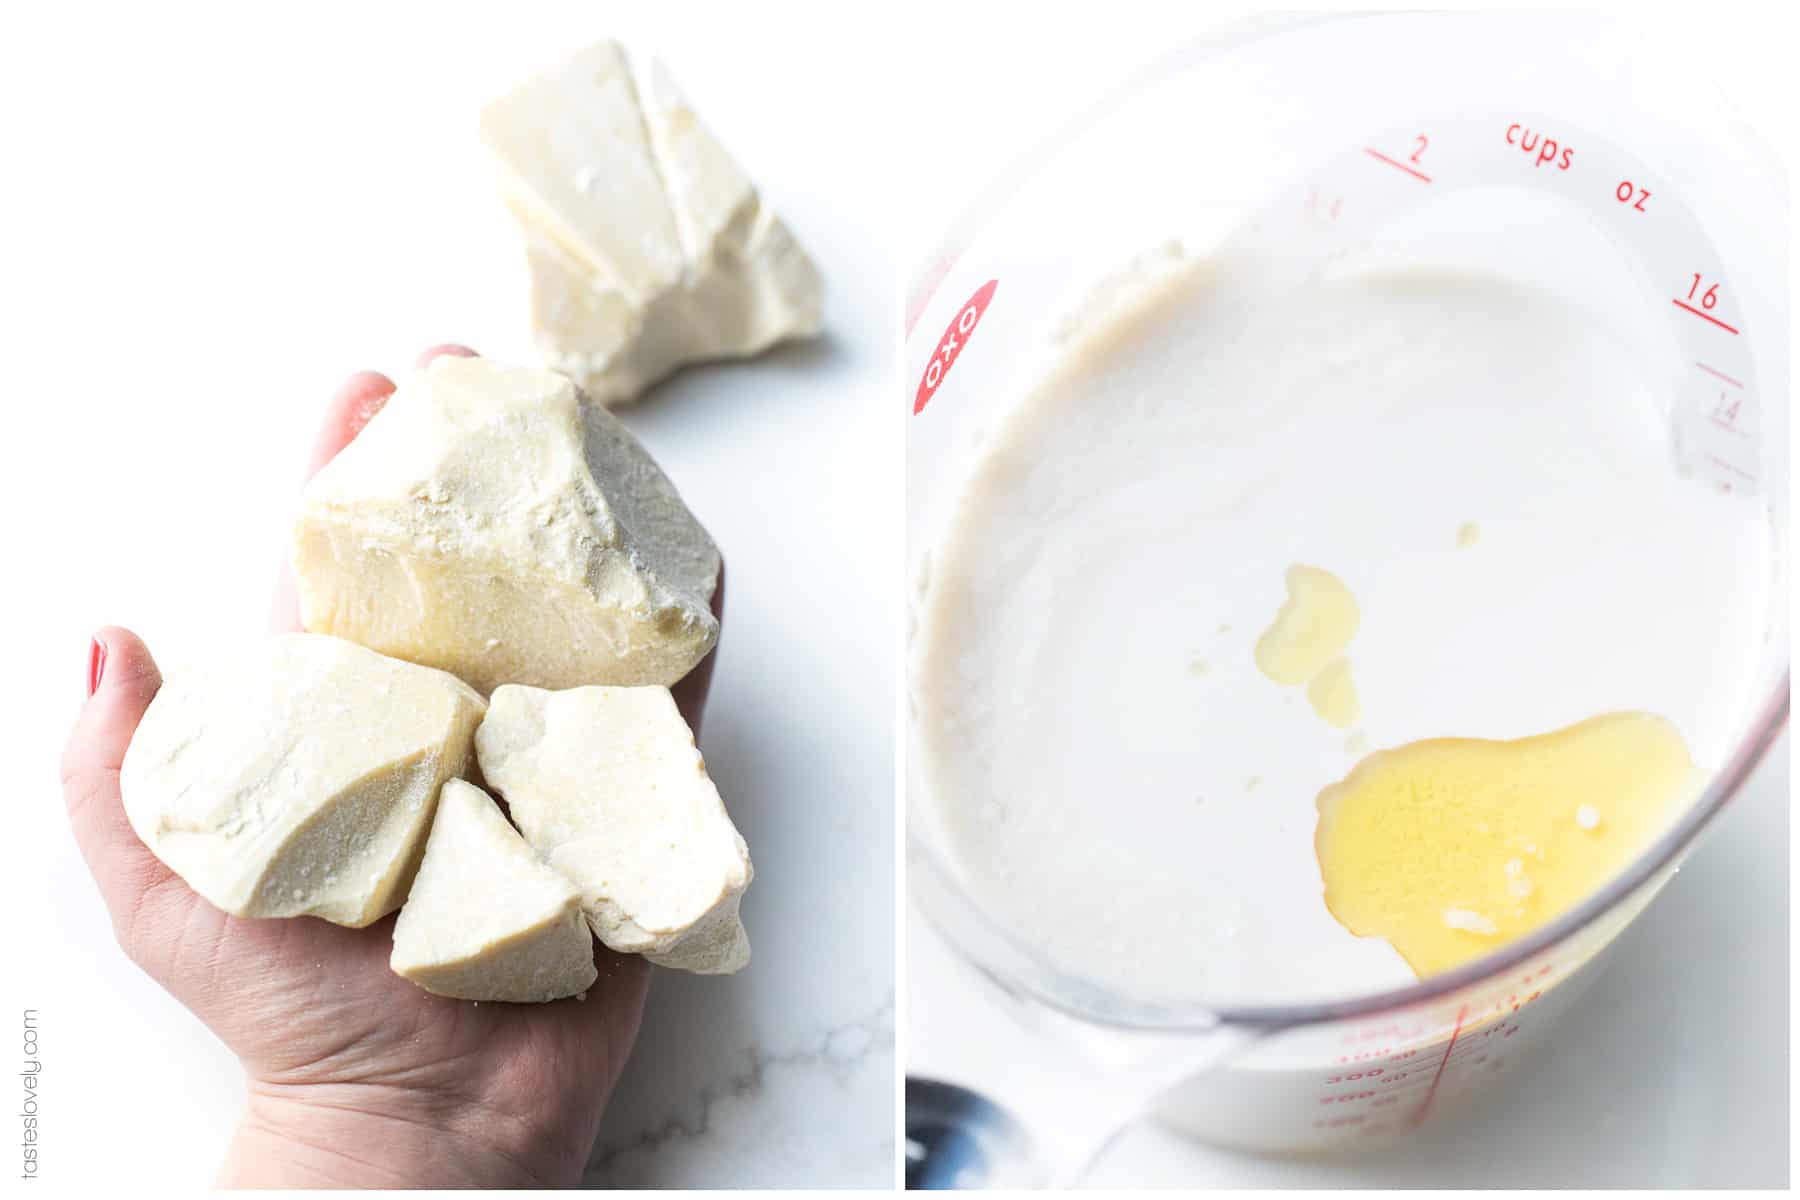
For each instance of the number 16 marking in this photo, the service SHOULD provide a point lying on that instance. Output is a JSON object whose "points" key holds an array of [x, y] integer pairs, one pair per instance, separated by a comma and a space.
{"points": [[1708, 299]]}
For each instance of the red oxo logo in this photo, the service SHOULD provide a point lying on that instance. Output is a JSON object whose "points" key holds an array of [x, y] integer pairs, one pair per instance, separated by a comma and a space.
{"points": [[952, 343]]}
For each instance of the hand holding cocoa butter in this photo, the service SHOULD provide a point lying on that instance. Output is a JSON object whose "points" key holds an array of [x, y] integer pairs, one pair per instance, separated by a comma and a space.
{"points": [[355, 1075]]}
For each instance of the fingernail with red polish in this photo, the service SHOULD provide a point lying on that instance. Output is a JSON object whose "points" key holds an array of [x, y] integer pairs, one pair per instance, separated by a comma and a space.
{"points": [[96, 664]]}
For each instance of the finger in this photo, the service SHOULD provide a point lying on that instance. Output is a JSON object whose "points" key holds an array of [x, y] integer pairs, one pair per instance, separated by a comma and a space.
{"points": [[691, 691], [454, 349], [351, 408], [123, 867], [357, 402], [621, 983]]}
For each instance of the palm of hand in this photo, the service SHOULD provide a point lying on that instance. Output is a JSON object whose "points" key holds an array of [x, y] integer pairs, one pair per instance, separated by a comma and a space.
{"points": [[305, 1003], [319, 1020]]}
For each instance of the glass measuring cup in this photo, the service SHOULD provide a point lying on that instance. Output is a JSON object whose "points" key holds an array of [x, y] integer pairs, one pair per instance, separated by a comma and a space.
{"points": [[1446, 110]]}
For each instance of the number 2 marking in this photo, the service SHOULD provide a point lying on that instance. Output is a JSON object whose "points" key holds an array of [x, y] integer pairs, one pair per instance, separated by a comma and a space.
{"points": [[1423, 142]]}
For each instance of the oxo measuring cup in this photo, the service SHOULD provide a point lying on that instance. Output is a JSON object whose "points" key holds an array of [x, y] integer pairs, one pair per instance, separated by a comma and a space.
{"points": [[1543, 152]]}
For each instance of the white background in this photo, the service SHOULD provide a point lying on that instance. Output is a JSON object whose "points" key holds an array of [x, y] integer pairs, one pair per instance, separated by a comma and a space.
{"points": [[1674, 1071], [210, 217]]}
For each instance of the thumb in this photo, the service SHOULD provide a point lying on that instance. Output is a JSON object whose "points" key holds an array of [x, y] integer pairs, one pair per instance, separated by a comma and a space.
{"points": [[123, 679]]}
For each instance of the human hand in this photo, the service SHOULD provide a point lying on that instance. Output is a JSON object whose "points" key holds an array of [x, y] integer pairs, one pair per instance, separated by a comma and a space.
{"points": [[355, 1077]]}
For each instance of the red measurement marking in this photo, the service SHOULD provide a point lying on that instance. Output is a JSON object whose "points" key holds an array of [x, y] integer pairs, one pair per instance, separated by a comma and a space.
{"points": [[1715, 372], [1396, 164], [1544, 147], [1371, 1033], [1347, 1098], [1626, 190], [1716, 461], [950, 346], [1725, 413], [1318, 202], [1704, 317], [1431, 1092]]}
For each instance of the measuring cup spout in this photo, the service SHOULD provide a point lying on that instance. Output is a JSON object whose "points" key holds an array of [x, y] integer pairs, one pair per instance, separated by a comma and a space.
{"points": [[1072, 1102], [1129, 1073]]}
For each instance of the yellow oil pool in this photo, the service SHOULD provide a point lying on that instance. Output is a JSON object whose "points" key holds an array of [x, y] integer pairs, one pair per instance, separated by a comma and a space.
{"points": [[1451, 847]]}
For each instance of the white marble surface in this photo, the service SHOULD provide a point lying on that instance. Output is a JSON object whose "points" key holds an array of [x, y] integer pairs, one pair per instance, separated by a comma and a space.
{"points": [[313, 202], [784, 1075]]}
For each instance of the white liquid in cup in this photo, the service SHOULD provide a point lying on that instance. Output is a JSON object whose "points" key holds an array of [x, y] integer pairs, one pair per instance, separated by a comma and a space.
{"points": [[1111, 775]]}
